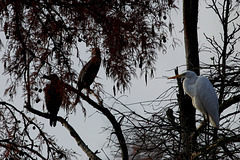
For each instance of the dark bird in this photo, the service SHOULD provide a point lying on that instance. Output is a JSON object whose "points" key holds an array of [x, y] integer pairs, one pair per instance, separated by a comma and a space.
{"points": [[89, 71], [170, 116], [53, 97]]}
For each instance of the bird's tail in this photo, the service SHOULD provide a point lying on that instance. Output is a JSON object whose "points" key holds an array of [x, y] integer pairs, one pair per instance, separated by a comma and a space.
{"points": [[214, 122], [53, 121]]}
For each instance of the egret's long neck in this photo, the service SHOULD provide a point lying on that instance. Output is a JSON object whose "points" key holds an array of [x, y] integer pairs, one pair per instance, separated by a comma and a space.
{"points": [[188, 85]]}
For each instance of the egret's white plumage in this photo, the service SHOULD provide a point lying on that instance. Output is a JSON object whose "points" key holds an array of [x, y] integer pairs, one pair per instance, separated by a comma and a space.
{"points": [[203, 95]]}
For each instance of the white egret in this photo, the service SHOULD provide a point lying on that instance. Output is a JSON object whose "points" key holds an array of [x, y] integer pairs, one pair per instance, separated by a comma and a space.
{"points": [[203, 95]]}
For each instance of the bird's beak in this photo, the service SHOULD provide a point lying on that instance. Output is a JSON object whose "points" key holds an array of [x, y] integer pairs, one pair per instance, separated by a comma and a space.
{"points": [[177, 76]]}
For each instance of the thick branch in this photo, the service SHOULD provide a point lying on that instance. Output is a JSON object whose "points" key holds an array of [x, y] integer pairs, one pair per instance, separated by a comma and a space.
{"points": [[78, 139], [110, 117], [73, 133], [229, 102]]}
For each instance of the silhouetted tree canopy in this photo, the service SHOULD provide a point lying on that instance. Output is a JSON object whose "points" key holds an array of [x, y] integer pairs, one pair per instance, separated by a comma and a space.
{"points": [[44, 36]]}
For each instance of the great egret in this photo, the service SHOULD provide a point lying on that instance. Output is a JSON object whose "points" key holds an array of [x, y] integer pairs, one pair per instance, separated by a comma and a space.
{"points": [[203, 95]]}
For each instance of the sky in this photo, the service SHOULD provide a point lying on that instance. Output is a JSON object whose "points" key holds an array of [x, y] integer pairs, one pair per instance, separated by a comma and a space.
{"points": [[91, 128]]}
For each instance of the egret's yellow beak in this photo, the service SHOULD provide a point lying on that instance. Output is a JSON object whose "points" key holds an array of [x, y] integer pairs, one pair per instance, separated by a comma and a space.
{"points": [[177, 76]]}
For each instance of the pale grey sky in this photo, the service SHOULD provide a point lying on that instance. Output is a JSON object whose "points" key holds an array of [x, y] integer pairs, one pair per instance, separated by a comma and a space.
{"points": [[90, 128]]}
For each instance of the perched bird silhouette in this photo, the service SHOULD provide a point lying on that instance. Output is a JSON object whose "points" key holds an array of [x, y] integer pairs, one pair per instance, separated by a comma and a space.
{"points": [[53, 97], [170, 116], [89, 72]]}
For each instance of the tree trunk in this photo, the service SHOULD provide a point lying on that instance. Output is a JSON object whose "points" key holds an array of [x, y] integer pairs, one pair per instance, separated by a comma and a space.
{"points": [[187, 111], [190, 19]]}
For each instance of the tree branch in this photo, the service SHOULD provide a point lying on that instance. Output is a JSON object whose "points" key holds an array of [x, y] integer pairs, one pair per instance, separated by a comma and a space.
{"points": [[43, 137], [73, 133], [108, 114], [78, 139], [220, 142], [112, 119], [229, 102]]}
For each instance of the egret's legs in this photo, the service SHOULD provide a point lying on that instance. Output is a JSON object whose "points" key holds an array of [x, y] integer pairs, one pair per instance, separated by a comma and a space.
{"points": [[207, 130]]}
